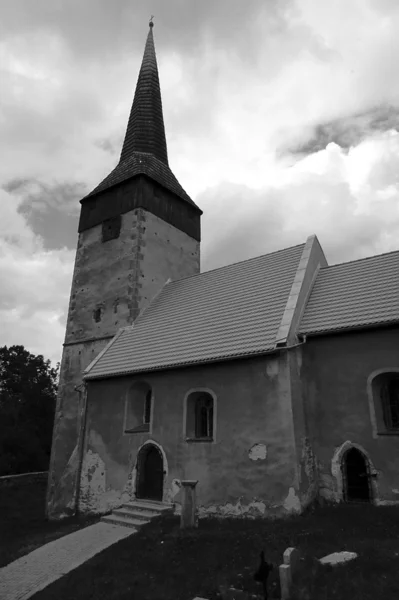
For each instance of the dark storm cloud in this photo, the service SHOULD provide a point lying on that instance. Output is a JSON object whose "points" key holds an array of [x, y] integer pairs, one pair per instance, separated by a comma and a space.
{"points": [[349, 131], [52, 211], [95, 28]]}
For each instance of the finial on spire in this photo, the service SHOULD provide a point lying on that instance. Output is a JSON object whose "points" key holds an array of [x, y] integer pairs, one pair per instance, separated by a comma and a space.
{"points": [[151, 23]]}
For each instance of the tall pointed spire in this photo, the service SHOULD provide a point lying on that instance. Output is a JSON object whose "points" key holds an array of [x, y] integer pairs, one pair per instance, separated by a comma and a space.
{"points": [[145, 130], [144, 150]]}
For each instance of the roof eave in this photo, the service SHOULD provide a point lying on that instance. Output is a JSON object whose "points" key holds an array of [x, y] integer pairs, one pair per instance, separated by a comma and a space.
{"points": [[362, 327], [190, 202], [181, 365]]}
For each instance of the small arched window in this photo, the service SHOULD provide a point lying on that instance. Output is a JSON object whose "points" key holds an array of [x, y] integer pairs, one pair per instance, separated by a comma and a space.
{"points": [[200, 417], [138, 408], [385, 393], [390, 401]]}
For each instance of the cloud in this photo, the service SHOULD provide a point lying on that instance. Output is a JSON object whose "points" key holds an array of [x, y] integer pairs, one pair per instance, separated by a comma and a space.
{"points": [[35, 285], [51, 211], [348, 199], [98, 29], [349, 131], [281, 122]]}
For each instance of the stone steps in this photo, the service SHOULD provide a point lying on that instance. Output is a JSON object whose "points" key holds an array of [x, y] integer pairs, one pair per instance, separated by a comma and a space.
{"points": [[137, 513]]}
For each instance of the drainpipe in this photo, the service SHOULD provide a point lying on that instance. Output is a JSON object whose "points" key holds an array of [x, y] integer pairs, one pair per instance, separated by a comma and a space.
{"points": [[82, 391]]}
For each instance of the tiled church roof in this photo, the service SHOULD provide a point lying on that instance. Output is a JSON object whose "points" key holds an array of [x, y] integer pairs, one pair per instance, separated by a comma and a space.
{"points": [[354, 294], [144, 150], [230, 312]]}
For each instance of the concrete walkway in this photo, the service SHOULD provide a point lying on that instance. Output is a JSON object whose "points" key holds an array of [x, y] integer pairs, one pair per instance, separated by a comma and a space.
{"points": [[33, 572]]}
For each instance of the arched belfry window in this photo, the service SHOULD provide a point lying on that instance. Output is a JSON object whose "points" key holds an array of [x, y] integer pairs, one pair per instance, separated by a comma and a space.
{"points": [[385, 399], [200, 416], [138, 408]]}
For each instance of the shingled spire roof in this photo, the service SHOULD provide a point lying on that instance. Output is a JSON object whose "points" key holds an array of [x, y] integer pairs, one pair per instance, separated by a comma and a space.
{"points": [[144, 150], [145, 130]]}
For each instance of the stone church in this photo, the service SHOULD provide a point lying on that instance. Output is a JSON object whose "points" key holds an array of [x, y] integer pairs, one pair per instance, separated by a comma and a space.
{"points": [[273, 382]]}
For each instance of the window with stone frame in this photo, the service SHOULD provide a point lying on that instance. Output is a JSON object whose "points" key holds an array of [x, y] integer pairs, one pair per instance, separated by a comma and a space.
{"points": [[200, 417], [385, 399], [138, 408]]}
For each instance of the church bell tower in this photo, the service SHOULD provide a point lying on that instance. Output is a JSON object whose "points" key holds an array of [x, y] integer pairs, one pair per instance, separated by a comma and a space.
{"points": [[137, 229]]}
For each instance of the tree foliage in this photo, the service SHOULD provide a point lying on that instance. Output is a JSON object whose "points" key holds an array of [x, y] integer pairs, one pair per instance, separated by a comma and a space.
{"points": [[28, 389]]}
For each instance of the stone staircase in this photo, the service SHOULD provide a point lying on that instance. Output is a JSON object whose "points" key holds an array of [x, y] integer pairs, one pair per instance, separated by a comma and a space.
{"points": [[137, 513]]}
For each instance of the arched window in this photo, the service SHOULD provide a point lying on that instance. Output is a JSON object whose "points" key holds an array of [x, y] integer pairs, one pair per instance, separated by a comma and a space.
{"points": [[390, 401], [138, 408], [200, 416], [385, 396]]}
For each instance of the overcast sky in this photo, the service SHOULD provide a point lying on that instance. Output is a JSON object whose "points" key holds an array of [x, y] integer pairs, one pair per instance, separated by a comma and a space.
{"points": [[281, 116]]}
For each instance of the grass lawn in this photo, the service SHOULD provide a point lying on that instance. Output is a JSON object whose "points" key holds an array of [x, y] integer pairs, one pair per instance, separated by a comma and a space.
{"points": [[163, 563], [23, 526]]}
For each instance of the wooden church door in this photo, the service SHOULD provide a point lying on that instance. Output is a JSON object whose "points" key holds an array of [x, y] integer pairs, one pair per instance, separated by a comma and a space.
{"points": [[356, 476], [150, 473]]}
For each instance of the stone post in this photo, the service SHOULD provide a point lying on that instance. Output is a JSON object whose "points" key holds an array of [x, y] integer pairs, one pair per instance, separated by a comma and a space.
{"points": [[287, 570], [189, 508], [291, 557], [285, 581]]}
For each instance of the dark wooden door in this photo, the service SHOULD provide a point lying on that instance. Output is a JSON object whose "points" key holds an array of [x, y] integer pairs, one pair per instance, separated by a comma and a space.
{"points": [[356, 476], [150, 475]]}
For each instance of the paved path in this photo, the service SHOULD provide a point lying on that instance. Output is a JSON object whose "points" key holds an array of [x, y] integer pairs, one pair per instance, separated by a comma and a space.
{"points": [[33, 572]]}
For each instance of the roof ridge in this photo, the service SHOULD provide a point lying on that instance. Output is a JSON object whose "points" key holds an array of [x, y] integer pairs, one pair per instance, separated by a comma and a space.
{"points": [[359, 259], [239, 262]]}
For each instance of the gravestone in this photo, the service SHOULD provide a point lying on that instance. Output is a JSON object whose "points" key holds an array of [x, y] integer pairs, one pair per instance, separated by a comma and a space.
{"points": [[337, 558], [189, 509], [287, 570]]}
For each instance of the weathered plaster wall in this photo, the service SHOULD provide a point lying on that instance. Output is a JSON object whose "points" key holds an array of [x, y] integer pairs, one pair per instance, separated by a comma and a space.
{"points": [[304, 440], [165, 252], [250, 468], [112, 282], [335, 371], [121, 276], [63, 470]]}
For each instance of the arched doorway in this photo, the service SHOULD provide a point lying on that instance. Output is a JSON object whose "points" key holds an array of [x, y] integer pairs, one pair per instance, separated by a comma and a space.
{"points": [[150, 472], [356, 476]]}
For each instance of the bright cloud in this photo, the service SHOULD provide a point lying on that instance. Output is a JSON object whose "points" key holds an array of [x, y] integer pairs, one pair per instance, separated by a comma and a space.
{"points": [[281, 120], [34, 285]]}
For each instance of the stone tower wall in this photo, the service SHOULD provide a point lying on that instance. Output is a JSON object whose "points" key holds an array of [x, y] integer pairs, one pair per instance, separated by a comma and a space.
{"points": [[112, 282]]}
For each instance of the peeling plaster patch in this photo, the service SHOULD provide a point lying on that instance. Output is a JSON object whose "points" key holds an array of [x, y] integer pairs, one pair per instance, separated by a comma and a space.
{"points": [[327, 486], [130, 484], [94, 497], [395, 491], [69, 475], [308, 459], [292, 503], [173, 490], [177, 509], [258, 452], [92, 483], [387, 502], [253, 509], [272, 368], [308, 474]]}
